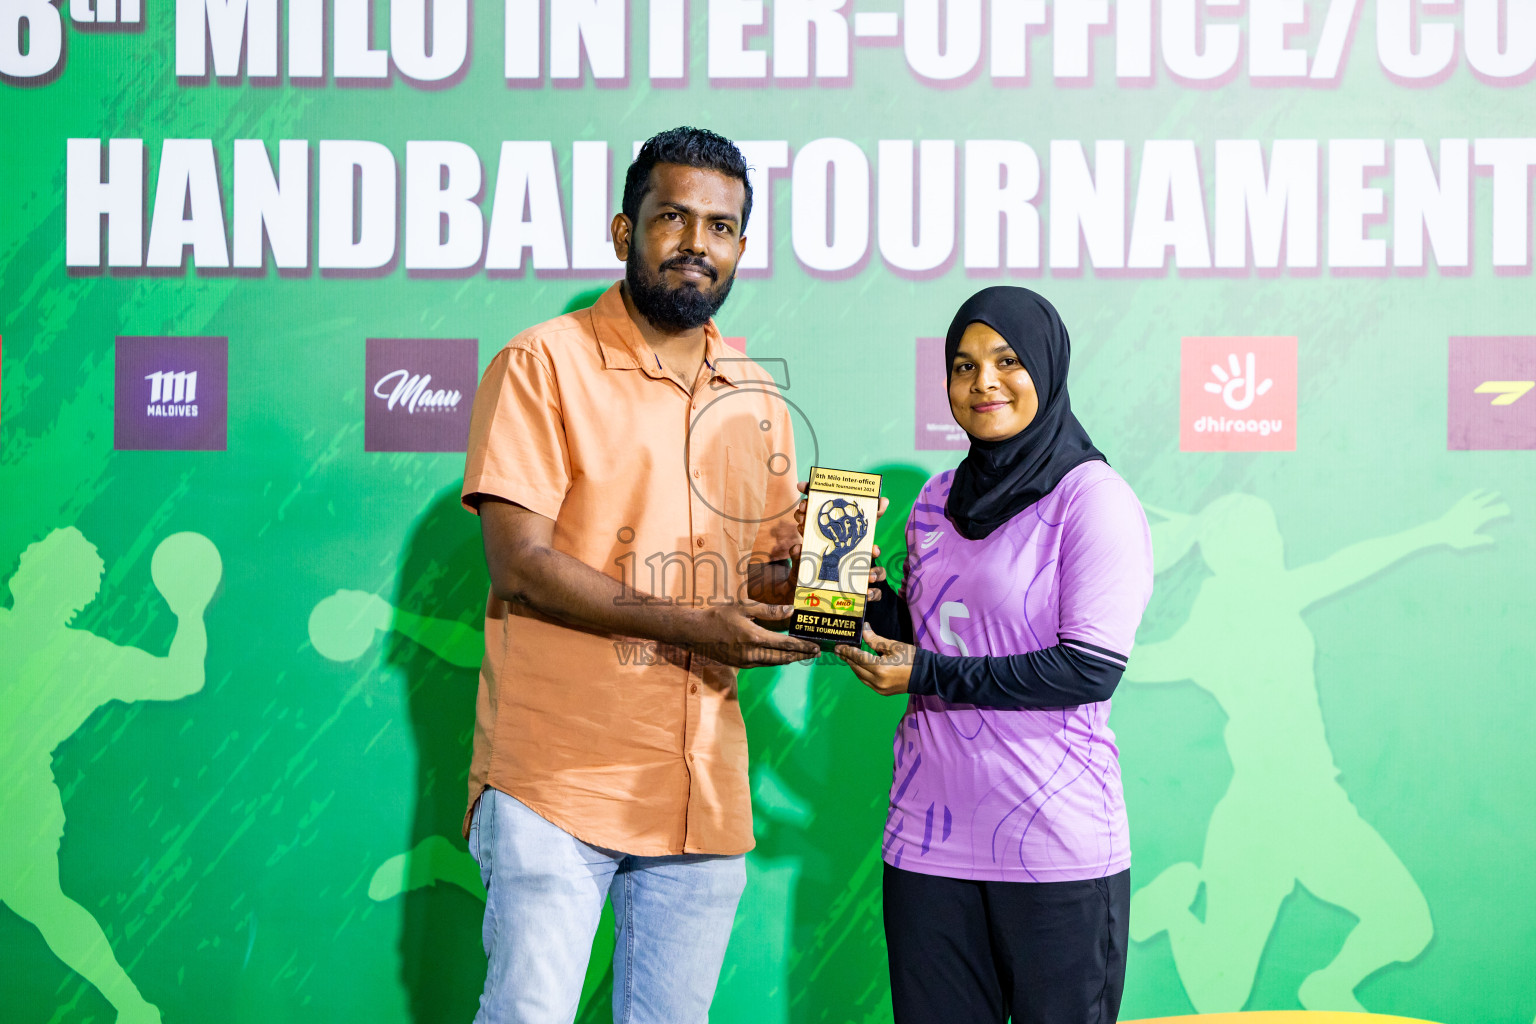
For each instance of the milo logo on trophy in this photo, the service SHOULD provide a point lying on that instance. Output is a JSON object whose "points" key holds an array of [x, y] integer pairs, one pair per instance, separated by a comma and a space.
{"points": [[836, 553]]}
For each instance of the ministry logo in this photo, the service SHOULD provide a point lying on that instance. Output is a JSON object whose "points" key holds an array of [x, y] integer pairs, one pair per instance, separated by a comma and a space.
{"points": [[1238, 395], [172, 394], [418, 393], [1491, 405], [937, 430]]}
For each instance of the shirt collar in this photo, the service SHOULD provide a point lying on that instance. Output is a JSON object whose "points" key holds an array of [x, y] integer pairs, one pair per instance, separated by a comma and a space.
{"points": [[623, 348]]}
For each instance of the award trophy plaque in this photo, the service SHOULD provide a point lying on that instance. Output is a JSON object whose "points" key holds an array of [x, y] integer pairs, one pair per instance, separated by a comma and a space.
{"points": [[836, 553]]}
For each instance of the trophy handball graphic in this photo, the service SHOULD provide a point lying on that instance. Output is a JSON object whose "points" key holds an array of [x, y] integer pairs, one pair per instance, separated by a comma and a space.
{"points": [[837, 551], [840, 520]]}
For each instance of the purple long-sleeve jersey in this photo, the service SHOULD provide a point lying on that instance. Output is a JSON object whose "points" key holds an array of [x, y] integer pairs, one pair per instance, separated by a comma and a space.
{"points": [[1019, 794]]}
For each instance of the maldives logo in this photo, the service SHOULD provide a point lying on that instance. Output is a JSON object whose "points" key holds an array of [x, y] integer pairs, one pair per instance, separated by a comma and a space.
{"points": [[418, 393], [1238, 395], [1491, 405], [171, 394]]}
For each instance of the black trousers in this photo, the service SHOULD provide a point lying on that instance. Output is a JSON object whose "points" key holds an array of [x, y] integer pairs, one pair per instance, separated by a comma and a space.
{"points": [[988, 952]]}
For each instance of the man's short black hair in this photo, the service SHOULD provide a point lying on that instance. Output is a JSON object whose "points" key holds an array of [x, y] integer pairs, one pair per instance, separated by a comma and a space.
{"points": [[690, 147]]}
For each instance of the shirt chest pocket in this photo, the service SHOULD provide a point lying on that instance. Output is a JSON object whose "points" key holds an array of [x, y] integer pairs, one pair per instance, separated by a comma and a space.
{"points": [[744, 493]]}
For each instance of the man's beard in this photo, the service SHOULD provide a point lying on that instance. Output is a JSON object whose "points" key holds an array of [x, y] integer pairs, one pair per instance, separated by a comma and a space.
{"points": [[683, 308]]}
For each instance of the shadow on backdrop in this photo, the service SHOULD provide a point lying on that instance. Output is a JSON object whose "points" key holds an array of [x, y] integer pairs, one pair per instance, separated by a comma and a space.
{"points": [[429, 640], [439, 594], [433, 639]]}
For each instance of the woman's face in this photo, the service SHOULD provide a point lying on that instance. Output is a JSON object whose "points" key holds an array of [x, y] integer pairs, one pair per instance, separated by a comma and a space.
{"points": [[991, 395]]}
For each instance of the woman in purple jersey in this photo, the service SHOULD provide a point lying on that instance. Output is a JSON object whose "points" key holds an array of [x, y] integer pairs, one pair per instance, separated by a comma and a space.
{"points": [[1007, 859]]}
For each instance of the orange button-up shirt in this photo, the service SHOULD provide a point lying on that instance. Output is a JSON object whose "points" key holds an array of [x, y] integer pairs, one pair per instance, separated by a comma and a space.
{"points": [[624, 744]]}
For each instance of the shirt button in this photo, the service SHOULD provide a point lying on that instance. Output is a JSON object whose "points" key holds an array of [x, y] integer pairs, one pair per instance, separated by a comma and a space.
{"points": [[697, 474], [693, 688], [699, 542], [689, 757]]}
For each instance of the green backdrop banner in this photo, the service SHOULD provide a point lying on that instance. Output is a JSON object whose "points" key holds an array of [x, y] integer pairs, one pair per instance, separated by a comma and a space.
{"points": [[254, 255]]}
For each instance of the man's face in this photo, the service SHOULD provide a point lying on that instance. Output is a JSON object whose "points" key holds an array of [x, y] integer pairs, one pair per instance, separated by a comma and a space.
{"points": [[681, 253]]}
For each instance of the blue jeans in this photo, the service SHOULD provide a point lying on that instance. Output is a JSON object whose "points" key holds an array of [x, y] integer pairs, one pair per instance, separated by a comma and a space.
{"points": [[544, 895]]}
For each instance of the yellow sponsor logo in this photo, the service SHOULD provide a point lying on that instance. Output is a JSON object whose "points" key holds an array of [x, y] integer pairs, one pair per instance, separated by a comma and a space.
{"points": [[1508, 391]]}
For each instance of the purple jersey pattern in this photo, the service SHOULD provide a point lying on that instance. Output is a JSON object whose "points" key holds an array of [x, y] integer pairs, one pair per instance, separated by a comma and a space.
{"points": [[1018, 794]]}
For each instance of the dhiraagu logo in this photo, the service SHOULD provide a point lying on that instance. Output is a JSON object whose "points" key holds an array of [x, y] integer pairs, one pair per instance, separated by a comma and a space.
{"points": [[1237, 388], [1237, 394]]}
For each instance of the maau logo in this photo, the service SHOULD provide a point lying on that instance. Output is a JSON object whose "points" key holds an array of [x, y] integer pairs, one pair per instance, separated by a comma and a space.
{"points": [[171, 394], [1490, 407], [1238, 394], [413, 392], [419, 394]]}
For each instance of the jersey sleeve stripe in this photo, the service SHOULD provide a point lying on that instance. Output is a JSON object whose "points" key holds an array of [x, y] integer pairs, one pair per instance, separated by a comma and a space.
{"points": [[1103, 654]]}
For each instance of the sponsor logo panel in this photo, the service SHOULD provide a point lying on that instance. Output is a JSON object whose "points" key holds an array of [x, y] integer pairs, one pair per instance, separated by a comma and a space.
{"points": [[1237, 394], [418, 393], [171, 394], [1491, 405], [937, 430]]}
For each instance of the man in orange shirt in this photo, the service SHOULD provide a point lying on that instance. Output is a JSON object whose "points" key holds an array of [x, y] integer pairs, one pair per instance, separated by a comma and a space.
{"points": [[636, 491]]}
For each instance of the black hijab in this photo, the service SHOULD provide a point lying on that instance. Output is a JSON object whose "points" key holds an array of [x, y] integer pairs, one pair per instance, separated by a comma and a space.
{"points": [[999, 479]]}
